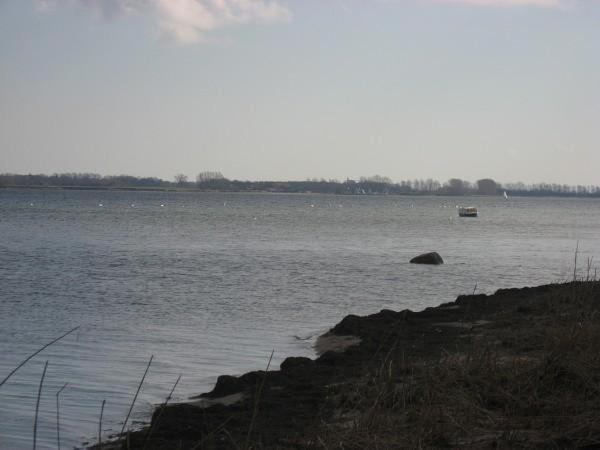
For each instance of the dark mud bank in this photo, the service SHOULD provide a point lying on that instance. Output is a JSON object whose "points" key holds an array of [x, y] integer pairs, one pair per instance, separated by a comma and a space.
{"points": [[519, 368]]}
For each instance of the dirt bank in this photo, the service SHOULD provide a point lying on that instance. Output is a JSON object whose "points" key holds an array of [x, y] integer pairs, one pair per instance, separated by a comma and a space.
{"points": [[520, 368]]}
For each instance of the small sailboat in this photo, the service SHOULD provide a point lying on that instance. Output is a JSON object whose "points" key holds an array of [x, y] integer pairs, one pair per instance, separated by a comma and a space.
{"points": [[505, 195]]}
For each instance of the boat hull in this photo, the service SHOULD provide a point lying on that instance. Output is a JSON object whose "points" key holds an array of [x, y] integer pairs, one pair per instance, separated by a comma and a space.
{"points": [[470, 211]]}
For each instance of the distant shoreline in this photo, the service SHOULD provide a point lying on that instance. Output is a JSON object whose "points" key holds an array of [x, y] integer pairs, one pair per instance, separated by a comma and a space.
{"points": [[268, 191], [373, 185], [99, 188]]}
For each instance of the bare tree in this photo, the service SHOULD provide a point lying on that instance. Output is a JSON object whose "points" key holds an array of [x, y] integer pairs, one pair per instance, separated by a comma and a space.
{"points": [[180, 178], [376, 179], [205, 176]]}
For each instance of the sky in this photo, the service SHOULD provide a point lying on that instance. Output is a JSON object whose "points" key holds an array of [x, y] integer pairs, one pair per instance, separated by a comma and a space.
{"points": [[296, 89]]}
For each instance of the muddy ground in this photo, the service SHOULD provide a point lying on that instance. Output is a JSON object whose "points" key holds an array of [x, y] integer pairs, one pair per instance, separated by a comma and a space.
{"points": [[519, 368]]}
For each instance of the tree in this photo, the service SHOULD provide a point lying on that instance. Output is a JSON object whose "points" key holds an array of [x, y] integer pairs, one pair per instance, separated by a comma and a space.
{"points": [[486, 186], [205, 176], [181, 179], [376, 179], [455, 186]]}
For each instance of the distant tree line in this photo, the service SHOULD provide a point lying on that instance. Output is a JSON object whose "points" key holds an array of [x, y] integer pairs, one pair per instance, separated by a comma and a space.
{"points": [[372, 185], [92, 180]]}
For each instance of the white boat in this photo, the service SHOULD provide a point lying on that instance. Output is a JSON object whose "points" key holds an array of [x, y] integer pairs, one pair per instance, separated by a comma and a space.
{"points": [[505, 195], [467, 211]]}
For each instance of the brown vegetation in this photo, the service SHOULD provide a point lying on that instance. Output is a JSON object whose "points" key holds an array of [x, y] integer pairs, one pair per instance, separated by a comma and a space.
{"points": [[520, 368]]}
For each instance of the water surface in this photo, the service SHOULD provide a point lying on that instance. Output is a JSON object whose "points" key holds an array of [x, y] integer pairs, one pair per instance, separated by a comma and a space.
{"points": [[211, 283]]}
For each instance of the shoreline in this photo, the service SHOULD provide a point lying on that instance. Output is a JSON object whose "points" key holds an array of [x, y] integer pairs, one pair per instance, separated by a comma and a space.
{"points": [[482, 371], [282, 192]]}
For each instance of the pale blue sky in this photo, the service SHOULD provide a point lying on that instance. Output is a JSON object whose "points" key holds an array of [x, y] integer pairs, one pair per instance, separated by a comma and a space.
{"points": [[266, 89]]}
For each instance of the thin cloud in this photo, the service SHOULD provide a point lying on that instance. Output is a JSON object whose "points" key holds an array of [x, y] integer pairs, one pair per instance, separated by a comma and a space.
{"points": [[506, 3], [186, 21]]}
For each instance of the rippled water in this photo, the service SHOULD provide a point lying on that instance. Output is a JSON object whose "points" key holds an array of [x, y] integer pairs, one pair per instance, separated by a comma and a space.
{"points": [[211, 283]]}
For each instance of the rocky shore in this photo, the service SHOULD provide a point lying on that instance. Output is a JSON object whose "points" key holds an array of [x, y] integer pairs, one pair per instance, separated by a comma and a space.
{"points": [[519, 368]]}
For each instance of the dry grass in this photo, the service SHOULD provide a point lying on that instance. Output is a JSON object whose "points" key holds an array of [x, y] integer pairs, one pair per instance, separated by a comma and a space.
{"points": [[526, 375], [535, 385]]}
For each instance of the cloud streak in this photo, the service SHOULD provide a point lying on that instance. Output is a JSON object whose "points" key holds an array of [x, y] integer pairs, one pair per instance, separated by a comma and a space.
{"points": [[505, 3], [186, 21], [189, 21]]}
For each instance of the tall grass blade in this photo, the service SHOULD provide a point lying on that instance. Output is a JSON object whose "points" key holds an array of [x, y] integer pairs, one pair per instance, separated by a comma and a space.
{"points": [[37, 406], [256, 402], [136, 394], [58, 415], [575, 263], [154, 422], [100, 425], [36, 353]]}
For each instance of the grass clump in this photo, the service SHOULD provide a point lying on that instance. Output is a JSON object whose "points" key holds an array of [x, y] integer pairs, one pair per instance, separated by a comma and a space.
{"points": [[531, 378]]}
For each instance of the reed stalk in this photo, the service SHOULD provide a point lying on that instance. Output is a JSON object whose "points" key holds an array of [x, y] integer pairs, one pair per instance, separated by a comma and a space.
{"points": [[575, 262], [100, 425], [58, 415], [256, 402], [36, 353], [37, 406], [162, 408], [136, 394]]}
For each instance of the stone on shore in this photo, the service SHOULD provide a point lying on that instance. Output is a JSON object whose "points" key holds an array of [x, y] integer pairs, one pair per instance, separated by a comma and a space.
{"points": [[428, 258], [296, 363]]}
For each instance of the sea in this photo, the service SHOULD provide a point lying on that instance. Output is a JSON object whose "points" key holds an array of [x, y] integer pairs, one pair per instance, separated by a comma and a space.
{"points": [[212, 283]]}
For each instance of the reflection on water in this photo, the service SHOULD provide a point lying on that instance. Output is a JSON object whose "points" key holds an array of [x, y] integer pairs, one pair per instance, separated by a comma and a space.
{"points": [[211, 283]]}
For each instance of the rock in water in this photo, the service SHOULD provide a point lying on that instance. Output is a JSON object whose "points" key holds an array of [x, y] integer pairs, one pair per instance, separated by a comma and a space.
{"points": [[428, 258]]}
